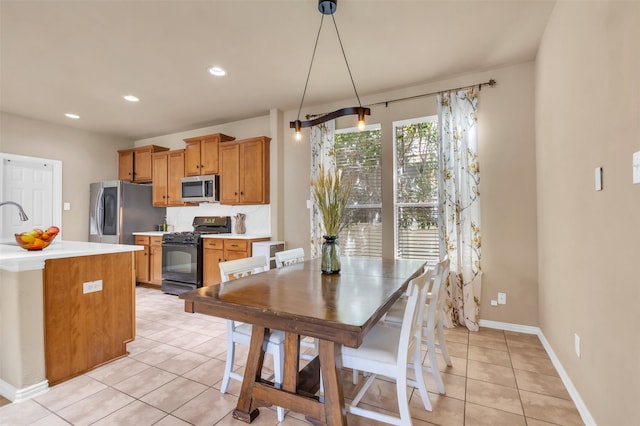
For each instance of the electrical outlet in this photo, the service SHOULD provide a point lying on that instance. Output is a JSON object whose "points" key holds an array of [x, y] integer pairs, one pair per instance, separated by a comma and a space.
{"points": [[576, 342], [91, 286], [494, 302], [502, 298]]}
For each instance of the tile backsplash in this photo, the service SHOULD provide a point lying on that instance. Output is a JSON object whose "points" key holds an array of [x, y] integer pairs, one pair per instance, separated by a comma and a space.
{"points": [[258, 217]]}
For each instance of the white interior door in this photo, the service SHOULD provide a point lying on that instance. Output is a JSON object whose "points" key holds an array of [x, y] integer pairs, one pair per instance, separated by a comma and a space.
{"points": [[35, 184]]}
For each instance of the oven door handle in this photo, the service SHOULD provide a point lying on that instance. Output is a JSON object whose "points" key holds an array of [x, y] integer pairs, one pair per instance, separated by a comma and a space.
{"points": [[179, 244]]}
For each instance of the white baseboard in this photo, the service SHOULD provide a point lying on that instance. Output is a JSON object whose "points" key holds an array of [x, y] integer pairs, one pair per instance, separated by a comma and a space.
{"points": [[14, 394], [573, 392]]}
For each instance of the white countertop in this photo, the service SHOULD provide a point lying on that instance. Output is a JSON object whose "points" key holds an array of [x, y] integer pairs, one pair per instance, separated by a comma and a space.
{"points": [[15, 258], [229, 235], [152, 233], [238, 236]]}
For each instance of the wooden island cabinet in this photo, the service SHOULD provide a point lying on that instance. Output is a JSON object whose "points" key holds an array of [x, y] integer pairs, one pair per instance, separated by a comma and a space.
{"points": [[244, 171], [66, 309], [89, 305], [202, 154]]}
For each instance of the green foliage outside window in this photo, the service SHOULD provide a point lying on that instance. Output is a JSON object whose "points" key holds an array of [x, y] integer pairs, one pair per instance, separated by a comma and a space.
{"points": [[417, 174]]}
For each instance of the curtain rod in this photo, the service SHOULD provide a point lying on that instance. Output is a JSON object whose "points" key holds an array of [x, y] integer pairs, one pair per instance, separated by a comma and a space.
{"points": [[489, 83]]}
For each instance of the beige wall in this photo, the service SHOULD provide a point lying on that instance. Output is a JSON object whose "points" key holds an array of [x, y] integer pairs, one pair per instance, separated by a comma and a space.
{"points": [[587, 116], [507, 159], [86, 157]]}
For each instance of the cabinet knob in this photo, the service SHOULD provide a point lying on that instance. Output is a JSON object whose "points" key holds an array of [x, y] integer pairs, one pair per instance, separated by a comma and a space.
{"points": [[235, 193]]}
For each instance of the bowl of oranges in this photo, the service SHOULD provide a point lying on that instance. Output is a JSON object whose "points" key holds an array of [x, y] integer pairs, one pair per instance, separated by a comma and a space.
{"points": [[37, 239]]}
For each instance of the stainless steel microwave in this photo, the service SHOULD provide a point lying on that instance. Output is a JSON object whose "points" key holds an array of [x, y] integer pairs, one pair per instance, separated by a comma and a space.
{"points": [[201, 189]]}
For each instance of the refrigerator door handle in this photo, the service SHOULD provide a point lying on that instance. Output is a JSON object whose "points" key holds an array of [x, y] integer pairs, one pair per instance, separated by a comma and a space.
{"points": [[99, 209]]}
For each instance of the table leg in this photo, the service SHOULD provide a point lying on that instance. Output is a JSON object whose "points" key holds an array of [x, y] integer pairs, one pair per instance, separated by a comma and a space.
{"points": [[252, 374], [291, 362], [333, 396]]}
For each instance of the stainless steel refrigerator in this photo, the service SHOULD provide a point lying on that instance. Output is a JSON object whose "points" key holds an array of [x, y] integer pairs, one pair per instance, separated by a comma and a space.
{"points": [[119, 208]]}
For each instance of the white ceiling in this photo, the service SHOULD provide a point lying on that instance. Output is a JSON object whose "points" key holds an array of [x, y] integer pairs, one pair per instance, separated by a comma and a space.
{"points": [[83, 56]]}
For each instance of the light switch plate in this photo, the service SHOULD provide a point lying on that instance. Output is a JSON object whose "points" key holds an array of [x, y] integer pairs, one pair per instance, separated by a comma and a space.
{"points": [[598, 178], [636, 167], [67, 206]]}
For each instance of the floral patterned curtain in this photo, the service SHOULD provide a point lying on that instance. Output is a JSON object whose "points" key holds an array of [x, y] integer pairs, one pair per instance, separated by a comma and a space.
{"points": [[460, 205], [322, 152]]}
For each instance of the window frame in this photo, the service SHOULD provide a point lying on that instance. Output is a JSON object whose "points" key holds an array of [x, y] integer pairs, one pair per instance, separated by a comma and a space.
{"points": [[396, 205]]}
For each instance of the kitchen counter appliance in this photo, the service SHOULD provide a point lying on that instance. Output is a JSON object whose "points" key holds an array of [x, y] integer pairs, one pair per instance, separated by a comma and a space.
{"points": [[182, 254]]}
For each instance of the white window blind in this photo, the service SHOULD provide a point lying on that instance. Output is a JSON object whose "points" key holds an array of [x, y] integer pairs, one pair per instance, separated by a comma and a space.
{"points": [[416, 188], [358, 154]]}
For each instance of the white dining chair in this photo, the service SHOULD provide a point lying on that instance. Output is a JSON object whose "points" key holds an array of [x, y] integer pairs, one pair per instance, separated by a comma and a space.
{"points": [[431, 323], [286, 258], [239, 333], [289, 257], [389, 351]]}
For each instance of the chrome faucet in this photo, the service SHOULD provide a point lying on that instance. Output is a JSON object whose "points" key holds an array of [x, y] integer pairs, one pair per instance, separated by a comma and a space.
{"points": [[23, 216]]}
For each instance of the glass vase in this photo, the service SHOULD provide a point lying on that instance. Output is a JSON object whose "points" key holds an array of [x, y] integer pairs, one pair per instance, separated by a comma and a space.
{"points": [[330, 255]]}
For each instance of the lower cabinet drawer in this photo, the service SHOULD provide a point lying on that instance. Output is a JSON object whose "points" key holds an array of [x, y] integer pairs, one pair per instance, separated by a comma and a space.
{"points": [[236, 245]]}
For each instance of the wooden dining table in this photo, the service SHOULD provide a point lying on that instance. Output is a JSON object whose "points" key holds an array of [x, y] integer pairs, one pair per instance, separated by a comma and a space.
{"points": [[337, 309]]}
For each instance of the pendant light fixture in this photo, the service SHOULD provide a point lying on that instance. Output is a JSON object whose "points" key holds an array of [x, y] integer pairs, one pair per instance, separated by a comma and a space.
{"points": [[328, 7]]}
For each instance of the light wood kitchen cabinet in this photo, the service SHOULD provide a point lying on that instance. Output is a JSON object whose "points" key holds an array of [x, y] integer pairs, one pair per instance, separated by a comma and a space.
{"points": [[201, 154], [142, 259], [149, 260], [168, 170], [244, 171], [156, 261], [135, 165], [218, 250], [212, 256]]}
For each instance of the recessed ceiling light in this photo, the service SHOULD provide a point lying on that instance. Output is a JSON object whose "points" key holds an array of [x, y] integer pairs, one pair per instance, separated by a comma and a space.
{"points": [[70, 115], [217, 71], [131, 98]]}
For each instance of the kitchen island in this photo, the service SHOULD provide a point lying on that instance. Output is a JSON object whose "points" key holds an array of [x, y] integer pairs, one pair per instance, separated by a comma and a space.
{"points": [[63, 311]]}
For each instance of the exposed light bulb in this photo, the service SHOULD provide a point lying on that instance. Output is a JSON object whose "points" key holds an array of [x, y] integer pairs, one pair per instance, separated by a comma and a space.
{"points": [[298, 135], [361, 119]]}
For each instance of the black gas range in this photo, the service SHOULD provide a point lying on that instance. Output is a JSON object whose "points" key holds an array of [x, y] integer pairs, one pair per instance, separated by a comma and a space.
{"points": [[182, 253]]}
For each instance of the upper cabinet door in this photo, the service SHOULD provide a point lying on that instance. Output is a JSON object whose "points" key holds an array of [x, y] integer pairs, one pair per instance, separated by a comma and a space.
{"points": [[244, 171], [125, 165], [254, 172], [229, 173], [202, 154], [136, 164], [209, 156], [192, 158]]}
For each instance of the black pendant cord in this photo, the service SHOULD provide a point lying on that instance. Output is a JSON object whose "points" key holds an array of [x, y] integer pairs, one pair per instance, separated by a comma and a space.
{"points": [[315, 46], [345, 60]]}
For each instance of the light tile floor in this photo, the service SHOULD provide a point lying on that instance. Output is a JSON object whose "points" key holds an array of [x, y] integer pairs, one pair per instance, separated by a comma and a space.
{"points": [[173, 374]]}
